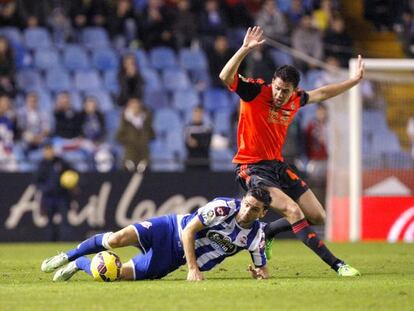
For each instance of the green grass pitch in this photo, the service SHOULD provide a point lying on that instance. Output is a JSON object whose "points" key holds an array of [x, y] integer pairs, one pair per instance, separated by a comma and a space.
{"points": [[300, 281]]}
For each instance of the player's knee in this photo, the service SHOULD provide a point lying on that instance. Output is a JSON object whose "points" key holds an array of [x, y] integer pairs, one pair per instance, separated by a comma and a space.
{"points": [[293, 212], [116, 239], [320, 218]]}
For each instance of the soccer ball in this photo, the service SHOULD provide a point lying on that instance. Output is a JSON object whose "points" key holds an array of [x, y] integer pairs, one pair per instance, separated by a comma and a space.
{"points": [[69, 179], [106, 266]]}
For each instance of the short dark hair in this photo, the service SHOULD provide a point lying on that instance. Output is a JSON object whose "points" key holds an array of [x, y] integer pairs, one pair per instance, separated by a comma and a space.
{"points": [[261, 195], [288, 74]]}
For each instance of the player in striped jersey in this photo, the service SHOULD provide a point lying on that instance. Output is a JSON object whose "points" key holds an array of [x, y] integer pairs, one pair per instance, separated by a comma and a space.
{"points": [[203, 239]]}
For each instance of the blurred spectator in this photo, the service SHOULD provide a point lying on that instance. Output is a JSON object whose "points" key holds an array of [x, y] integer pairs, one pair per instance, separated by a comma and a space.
{"points": [[130, 80], [295, 13], [33, 123], [317, 144], [217, 58], [323, 15], [380, 13], [9, 15], [259, 63], [155, 26], [197, 140], [238, 12], [404, 28], [213, 22], [308, 40], [92, 121], [185, 26], [7, 68], [410, 133], [67, 121], [89, 13], [121, 23], [337, 42], [135, 133], [7, 137], [273, 22], [60, 26], [35, 13], [55, 199]]}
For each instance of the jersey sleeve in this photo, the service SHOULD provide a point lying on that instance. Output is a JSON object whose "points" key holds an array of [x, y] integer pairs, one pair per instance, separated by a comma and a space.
{"points": [[257, 250], [213, 213], [247, 89], [304, 98]]}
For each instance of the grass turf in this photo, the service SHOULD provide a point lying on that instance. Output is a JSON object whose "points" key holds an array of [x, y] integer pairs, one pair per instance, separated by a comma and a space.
{"points": [[300, 281]]}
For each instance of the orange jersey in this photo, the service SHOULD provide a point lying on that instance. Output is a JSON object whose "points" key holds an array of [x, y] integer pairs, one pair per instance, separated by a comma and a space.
{"points": [[262, 126]]}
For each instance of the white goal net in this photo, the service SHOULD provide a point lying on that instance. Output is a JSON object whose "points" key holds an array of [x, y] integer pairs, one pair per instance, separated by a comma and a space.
{"points": [[370, 192]]}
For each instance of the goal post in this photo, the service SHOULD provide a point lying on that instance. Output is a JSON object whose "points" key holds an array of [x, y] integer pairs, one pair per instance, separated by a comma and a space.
{"points": [[369, 160]]}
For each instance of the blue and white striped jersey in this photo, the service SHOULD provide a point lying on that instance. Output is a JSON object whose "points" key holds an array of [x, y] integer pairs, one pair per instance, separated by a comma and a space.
{"points": [[223, 237]]}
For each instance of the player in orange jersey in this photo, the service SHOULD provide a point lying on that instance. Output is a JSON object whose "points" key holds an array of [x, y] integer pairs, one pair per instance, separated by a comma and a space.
{"points": [[266, 110]]}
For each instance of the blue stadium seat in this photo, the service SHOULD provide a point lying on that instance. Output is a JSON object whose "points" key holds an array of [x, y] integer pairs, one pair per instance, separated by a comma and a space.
{"points": [[166, 120], [87, 80], [385, 143], [175, 144], [222, 122], [281, 58], [374, 120], [163, 159], [215, 99], [175, 79], [184, 100], [46, 58], [163, 58], [105, 101], [155, 99], [112, 120], [45, 99], [105, 59], [111, 81], [221, 160], [75, 58], [12, 34], [399, 160], [58, 80], [142, 58], [37, 38], [152, 79], [76, 100], [28, 79], [191, 59], [95, 38]]}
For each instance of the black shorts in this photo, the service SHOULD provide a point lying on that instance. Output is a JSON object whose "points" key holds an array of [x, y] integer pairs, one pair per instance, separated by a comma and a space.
{"points": [[271, 174]]}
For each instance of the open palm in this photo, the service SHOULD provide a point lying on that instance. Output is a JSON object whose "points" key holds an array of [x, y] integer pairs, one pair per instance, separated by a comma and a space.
{"points": [[253, 37]]}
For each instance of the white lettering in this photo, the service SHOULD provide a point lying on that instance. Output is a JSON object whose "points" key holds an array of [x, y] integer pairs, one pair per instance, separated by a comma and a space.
{"points": [[29, 202]]}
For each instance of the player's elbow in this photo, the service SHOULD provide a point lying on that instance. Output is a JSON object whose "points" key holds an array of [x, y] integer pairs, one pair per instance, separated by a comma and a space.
{"points": [[226, 79]]}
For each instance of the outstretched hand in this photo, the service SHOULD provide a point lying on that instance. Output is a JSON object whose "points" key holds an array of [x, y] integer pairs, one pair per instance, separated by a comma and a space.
{"points": [[359, 73], [253, 37]]}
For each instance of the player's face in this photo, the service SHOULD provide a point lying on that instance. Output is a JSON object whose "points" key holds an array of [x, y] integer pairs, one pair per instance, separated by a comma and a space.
{"points": [[281, 91], [251, 209]]}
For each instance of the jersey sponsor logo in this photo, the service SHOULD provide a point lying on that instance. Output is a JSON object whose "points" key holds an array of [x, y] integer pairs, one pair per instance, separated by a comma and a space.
{"points": [[146, 224], [222, 242]]}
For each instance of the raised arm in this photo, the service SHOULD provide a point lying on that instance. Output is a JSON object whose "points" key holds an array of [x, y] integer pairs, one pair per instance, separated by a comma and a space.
{"points": [[252, 39], [332, 90], [195, 225]]}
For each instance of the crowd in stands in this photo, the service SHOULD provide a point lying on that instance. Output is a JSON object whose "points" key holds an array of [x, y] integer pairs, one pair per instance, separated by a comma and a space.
{"points": [[113, 82]]}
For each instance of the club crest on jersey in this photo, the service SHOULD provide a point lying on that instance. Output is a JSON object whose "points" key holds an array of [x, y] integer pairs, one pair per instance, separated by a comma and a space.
{"points": [[221, 242], [221, 210], [146, 224], [243, 240]]}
